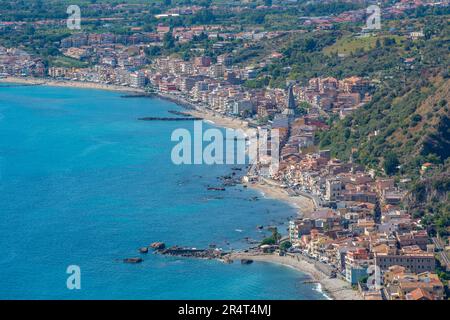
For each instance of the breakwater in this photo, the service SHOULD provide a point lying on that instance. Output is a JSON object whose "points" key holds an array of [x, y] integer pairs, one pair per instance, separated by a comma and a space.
{"points": [[21, 85], [170, 119], [139, 95]]}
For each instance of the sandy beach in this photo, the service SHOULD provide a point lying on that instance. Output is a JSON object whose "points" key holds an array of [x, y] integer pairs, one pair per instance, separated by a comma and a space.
{"points": [[219, 120], [335, 289], [70, 84], [303, 204]]}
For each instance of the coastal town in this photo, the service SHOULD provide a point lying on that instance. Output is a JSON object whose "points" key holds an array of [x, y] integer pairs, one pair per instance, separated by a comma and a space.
{"points": [[358, 229]]}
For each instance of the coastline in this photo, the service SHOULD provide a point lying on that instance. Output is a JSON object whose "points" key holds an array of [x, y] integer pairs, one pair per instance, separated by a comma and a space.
{"points": [[219, 120], [70, 84], [209, 116], [335, 289], [301, 203], [142, 214]]}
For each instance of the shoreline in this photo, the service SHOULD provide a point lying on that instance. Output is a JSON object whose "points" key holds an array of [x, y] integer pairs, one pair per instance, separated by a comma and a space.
{"points": [[70, 84], [335, 289], [208, 116], [219, 120], [301, 203]]}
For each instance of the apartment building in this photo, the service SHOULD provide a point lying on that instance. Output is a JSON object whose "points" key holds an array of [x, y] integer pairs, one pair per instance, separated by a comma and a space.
{"points": [[415, 262]]}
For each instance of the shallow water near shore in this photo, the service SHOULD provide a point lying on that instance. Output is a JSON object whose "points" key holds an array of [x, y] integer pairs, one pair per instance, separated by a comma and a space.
{"points": [[83, 182]]}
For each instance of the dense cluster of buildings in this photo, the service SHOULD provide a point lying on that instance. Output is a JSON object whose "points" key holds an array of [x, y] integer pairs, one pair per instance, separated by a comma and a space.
{"points": [[101, 74], [338, 96], [19, 63], [95, 40], [116, 60], [361, 230], [214, 85], [108, 49], [218, 86], [121, 60], [359, 227]]}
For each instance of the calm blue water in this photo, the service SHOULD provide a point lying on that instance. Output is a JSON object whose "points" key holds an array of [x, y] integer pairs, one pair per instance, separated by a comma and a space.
{"points": [[82, 182]]}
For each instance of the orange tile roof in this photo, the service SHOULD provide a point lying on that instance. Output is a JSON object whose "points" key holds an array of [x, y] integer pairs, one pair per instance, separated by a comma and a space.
{"points": [[419, 294]]}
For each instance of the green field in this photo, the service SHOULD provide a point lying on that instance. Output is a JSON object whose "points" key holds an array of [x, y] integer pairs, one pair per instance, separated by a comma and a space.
{"points": [[62, 61], [350, 44]]}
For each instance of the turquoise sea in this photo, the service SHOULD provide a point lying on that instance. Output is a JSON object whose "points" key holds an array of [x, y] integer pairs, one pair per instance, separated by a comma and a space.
{"points": [[83, 182]]}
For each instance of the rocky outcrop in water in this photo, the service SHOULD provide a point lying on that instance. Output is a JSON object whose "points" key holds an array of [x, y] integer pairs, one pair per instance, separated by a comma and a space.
{"points": [[158, 245], [133, 260], [143, 250]]}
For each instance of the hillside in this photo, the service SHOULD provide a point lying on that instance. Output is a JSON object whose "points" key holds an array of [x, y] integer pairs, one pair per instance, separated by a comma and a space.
{"points": [[406, 125], [413, 126]]}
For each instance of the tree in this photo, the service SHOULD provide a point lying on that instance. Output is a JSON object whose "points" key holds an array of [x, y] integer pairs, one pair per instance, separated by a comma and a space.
{"points": [[153, 51], [302, 108], [377, 43], [274, 238], [285, 245], [391, 163], [169, 41], [268, 241], [388, 42], [377, 212], [310, 45], [275, 234]]}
